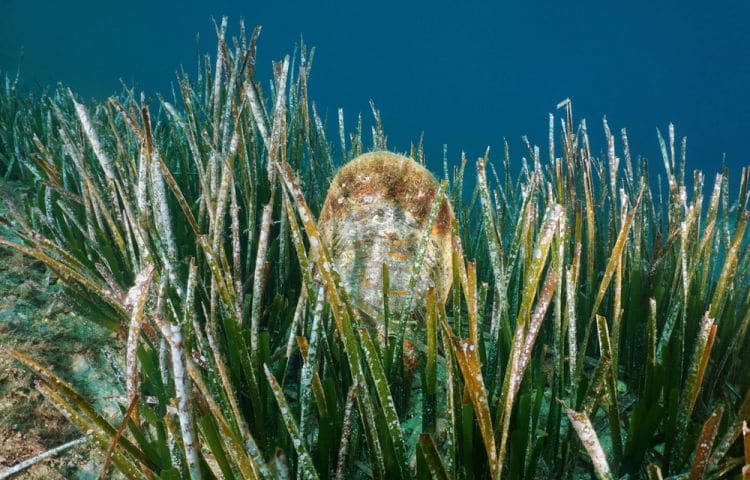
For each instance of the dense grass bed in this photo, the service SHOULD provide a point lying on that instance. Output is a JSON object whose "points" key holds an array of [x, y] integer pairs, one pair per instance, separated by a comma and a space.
{"points": [[597, 322]]}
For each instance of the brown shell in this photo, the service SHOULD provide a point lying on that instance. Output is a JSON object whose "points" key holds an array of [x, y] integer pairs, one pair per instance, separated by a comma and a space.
{"points": [[375, 212]]}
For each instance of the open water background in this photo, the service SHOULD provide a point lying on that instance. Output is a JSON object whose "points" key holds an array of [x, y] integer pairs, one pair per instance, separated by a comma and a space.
{"points": [[467, 74]]}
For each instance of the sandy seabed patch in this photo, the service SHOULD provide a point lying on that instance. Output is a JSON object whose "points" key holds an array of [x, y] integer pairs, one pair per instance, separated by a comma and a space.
{"points": [[36, 320]]}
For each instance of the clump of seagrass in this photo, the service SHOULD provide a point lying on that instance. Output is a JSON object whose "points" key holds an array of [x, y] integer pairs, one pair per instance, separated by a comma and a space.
{"points": [[598, 324], [376, 217]]}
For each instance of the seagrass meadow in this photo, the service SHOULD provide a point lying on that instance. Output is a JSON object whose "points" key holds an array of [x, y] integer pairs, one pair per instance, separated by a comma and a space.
{"points": [[597, 324]]}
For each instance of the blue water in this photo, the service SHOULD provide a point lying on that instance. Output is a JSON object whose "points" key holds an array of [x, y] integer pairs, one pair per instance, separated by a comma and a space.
{"points": [[466, 74]]}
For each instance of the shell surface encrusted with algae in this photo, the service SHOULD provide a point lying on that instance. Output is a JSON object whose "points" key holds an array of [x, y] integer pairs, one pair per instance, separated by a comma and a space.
{"points": [[376, 211]]}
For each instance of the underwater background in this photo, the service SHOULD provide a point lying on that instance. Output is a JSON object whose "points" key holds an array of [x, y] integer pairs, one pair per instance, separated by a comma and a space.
{"points": [[466, 74], [211, 267]]}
